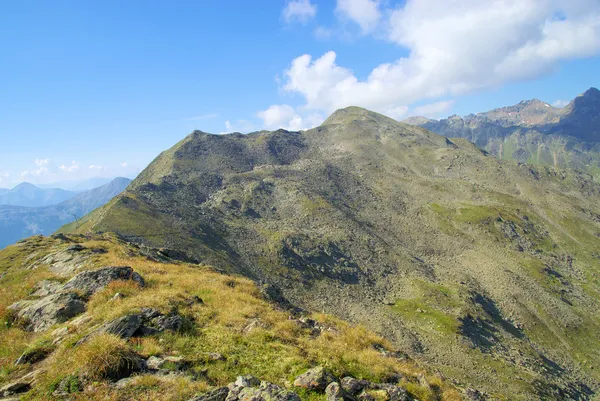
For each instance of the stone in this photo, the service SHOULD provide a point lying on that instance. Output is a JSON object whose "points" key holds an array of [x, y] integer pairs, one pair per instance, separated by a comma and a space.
{"points": [[246, 381], [33, 356], [354, 386], [92, 281], [315, 379], [15, 387], [170, 323], [50, 310], [46, 287], [394, 393], [154, 363], [219, 394], [267, 392], [215, 356], [335, 392], [123, 327]]}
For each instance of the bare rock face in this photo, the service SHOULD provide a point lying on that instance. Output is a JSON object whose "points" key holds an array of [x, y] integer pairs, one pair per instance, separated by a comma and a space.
{"points": [[267, 392], [90, 282], [60, 303], [53, 309], [315, 379]]}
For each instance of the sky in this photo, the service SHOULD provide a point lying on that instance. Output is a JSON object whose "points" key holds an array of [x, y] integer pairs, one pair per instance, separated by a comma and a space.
{"points": [[100, 88]]}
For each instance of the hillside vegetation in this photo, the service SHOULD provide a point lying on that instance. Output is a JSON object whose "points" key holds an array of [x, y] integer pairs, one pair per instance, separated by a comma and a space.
{"points": [[227, 327], [484, 269]]}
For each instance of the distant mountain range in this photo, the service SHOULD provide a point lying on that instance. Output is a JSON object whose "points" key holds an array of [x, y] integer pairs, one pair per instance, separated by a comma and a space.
{"points": [[18, 222], [533, 131], [26, 194], [80, 185]]}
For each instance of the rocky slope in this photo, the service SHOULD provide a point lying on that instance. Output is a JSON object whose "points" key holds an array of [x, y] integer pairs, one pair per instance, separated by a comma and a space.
{"points": [[18, 222], [97, 318], [533, 131], [482, 268]]}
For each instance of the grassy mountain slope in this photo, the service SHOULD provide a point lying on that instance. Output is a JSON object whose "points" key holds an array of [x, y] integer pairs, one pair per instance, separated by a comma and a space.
{"points": [[19, 222], [230, 318], [482, 268]]}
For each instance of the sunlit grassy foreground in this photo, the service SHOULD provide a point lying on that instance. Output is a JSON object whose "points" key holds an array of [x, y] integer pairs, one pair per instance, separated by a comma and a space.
{"points": [[254, 336]]}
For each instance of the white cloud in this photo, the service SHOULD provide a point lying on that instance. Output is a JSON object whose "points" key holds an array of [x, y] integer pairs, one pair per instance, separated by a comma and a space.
{"points": [[124, 164], [284, 116], [244, 126], [299, 10], [41, 162], [560, 103], [74, 166], [323, 33], [433, 110], [3, 176], [365, 13], [454, 47], [96, 167]]}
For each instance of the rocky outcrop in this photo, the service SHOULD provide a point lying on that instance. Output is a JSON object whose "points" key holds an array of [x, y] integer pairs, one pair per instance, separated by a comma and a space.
{"points": [[59, 303], [147, 322], [316, 379], [92, 281], [50, 310]]}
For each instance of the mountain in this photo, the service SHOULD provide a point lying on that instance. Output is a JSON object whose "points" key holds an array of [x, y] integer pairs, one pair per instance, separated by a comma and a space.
{"points": [[483, 269], [18, 222], [26, 194], [80, 185], [533, 131]]}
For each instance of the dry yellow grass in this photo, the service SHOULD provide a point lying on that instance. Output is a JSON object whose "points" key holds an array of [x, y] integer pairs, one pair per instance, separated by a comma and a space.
{"points": [[233, 320]]}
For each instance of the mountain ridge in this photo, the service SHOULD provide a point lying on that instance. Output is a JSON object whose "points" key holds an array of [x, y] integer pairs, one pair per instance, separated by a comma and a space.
{"points": [[373, 221]]}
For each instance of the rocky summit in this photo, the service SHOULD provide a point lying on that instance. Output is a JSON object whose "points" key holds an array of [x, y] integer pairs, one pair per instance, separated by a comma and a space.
{"points": [[533, 131], [481, 269]]}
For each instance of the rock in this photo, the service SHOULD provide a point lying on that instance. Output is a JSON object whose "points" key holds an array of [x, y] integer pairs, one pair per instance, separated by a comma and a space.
{"points": [[267, 392], [335, 392], [16, 387], [46, 287], [167, 363], [50, 310], [215, 356], [154, 363], [68, 385], [64, 262], [20, 305], [475, 395], [219, 394], [354, 386], [364, 396], [117, 296], [315, 379], [246, 381], [171, 323], [150, 313], [92, 281], [124, 382], [123, 327], [33, 356], [133, 363], [394, 393], [194, 300], [76, 248]]}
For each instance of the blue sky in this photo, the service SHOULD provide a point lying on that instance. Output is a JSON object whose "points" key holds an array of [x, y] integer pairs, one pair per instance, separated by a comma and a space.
{"points": [[99, 88]]}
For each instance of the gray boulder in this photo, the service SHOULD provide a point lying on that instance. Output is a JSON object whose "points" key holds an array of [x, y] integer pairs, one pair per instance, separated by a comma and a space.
{"points": [[267, 392], [50, 310], [354, 386], [335, 392], [316, 379], [394, 393], [92, 281], [46, 287], [219, 394], [123, 327]]}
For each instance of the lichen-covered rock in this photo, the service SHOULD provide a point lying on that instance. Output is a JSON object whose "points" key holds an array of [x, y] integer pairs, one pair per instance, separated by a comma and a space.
{"points": [[46, 287], [50, 310], [219, 394], [123, 327], [92, 281], [335, 392], [353, 386], [267, 392], [394, 393], [315, 379]]}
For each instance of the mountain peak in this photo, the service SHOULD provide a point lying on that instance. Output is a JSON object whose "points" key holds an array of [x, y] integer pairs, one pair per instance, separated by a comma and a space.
{"points": [[355, 113]]}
